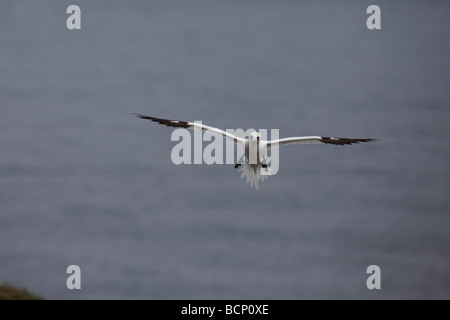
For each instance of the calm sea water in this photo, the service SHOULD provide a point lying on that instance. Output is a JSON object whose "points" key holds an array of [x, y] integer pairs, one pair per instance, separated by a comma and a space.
{"points": [[83, 182]]}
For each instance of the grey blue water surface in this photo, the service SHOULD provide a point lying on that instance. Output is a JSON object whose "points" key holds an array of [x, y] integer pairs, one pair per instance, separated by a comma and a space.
{"points": [[84, 182]]}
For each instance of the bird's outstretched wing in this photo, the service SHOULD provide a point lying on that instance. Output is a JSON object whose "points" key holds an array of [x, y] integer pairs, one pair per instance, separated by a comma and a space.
{"points": [[314, 140], [191, 125]]}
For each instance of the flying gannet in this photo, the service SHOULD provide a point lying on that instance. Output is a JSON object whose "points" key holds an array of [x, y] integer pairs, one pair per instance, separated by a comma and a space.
{"points": [[252, 170]]}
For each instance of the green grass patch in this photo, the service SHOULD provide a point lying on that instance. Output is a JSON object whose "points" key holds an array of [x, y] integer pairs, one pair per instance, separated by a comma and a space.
{"points": [[8, 292]]}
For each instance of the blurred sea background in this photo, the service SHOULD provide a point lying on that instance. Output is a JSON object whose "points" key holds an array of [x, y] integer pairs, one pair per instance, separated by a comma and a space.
{"points": [[84, 182]]}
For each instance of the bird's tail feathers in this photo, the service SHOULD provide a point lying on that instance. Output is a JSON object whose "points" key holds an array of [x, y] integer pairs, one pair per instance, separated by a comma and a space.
{"points": [[254, 175]]}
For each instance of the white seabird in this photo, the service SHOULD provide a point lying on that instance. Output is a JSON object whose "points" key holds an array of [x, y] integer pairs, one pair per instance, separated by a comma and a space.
{"points": [[252, 171]]}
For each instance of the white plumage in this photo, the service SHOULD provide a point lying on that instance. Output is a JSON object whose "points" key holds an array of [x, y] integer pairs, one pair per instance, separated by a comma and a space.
{"points": [[254, 145]]}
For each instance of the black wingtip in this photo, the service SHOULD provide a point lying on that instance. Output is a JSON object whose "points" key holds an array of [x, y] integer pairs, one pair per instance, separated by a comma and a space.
{"points": [[344, 141], [138, 115], [167, 122], [367, 140]]}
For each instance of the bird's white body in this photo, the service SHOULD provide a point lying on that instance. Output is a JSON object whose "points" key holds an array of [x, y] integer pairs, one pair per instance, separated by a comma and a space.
{"points": [[254, 166]]}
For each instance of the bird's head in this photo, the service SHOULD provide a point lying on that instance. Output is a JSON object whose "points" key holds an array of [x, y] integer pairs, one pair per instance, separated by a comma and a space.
{"points": [[255, 136]]}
